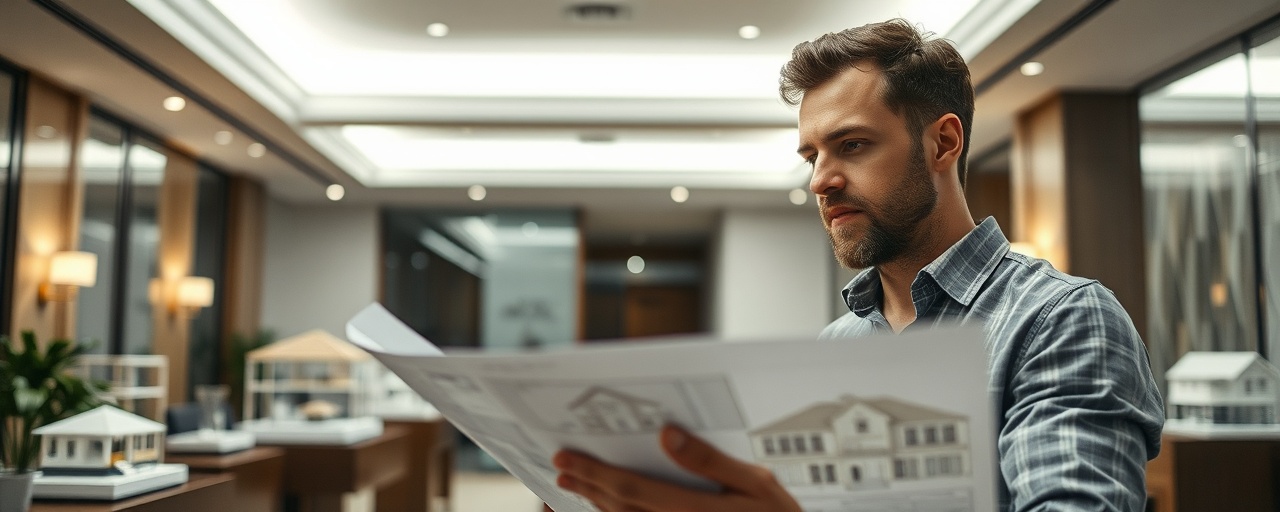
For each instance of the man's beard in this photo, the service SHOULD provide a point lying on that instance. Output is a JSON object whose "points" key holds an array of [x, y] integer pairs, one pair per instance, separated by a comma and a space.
{"points": [[892, 226]]}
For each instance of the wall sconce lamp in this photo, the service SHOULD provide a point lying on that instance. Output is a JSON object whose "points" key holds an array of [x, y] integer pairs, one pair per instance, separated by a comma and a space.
{"points": [[68, 270], [193, 293]]}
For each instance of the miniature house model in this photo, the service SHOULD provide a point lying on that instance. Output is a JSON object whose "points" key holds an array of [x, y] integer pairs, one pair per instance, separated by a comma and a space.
{"points": [[138, 383], [605, 411], [95, 442], [310, 388], [863, 443], [1223, 388]]}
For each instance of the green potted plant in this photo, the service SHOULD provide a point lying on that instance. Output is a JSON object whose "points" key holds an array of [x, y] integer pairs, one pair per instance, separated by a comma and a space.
{"points": [[35, 388]]}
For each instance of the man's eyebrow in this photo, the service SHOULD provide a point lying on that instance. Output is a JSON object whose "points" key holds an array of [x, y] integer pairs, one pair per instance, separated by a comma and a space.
{"points": [[835, 134]]}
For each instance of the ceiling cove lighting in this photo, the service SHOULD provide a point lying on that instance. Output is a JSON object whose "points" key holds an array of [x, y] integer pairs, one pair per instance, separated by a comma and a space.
{"points": [[335, 192], [749, 32], [798, 196], [437, 30], [635, 264], [477, 192], [1032, 68], [679, 194], [222, 138], [257, 150], [175, 103]]}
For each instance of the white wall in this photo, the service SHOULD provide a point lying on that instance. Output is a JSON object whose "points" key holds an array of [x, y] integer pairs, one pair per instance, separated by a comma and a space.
{"points": [[773, 274], [321, 266]]}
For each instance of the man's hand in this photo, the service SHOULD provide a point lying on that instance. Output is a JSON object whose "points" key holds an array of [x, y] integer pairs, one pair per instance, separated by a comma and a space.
{"points": [[746, 487]]}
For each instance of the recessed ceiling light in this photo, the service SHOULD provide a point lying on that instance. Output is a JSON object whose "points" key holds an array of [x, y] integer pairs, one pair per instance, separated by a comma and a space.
{"points": [[437, 30], [256, 150], [798, 196], [477, 192], [46, 132], [749, 32], [530, 229], [679, 194], [222, 137], [635, 264], [1240, 141], [335, 192], [1032, 68], [174, 103]]}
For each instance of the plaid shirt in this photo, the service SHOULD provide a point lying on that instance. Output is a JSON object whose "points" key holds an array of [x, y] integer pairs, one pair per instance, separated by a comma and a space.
{"points": [[1080, 414]]}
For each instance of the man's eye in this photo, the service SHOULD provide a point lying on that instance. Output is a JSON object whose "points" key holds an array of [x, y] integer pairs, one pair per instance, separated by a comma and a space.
{"points": [[850, 145]]}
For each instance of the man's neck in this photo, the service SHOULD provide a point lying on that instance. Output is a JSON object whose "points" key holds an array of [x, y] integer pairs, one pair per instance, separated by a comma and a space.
{"points": [[897, 276]]}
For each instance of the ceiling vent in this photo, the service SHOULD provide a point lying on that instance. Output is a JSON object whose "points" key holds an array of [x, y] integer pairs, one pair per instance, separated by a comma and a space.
{"points": [[598, 12]]}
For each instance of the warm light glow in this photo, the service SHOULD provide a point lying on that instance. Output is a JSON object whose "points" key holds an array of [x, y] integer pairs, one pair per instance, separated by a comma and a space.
{"points": [[1032, 68], [1025, 248], [798, 196], [175, 103], [437, 30], [635, 264], [1218, 294], [679, 194], [477, 192], [73, 268], [257, 150], [335, 192], [749, 32], [222, 138], [195, 292]]}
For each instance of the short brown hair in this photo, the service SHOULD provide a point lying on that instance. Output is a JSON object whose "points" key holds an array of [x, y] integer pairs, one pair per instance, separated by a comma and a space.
{"points": [[925, 78]]}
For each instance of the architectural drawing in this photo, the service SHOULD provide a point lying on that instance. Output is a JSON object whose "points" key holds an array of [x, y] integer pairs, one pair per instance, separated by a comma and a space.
{"points": [[622, 407], [860, 443]]}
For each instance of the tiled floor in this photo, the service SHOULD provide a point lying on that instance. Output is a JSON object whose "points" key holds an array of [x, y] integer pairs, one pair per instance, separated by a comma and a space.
{"points": [[492, 492]]}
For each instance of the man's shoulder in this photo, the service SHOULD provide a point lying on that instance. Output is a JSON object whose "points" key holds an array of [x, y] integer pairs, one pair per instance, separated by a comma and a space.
{"points": [[1036, 280]]}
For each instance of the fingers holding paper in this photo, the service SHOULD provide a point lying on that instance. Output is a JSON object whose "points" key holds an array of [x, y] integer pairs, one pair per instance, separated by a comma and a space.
{"points": [[746, 487]]}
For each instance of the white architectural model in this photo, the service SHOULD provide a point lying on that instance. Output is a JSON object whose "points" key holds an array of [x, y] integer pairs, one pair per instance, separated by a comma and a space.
{"points": [[105, 453], [1223, 392], [863, 443], [602, 410], [138, 383], [310, 368]]}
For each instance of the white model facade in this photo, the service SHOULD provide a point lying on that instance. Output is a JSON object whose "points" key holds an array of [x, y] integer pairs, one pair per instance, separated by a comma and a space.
{"points": [[1223, 388], [314, 365], [863, 443], [93, 442]]}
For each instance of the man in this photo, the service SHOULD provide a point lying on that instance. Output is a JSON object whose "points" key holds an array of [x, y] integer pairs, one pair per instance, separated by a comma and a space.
{"points": [[884, 122]]}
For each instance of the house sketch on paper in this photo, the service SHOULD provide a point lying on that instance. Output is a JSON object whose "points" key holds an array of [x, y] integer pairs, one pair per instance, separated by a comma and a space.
{"points": [[860, 443], [1217, 388], [601, 410]]}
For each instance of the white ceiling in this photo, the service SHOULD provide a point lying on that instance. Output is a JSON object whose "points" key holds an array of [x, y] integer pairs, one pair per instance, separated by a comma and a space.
{"points": [[299, 71]]}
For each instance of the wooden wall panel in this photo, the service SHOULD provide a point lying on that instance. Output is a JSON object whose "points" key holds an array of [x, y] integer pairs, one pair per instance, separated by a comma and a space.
{"points": [[176, 216], [1038, 179], [242, 288], [48, 211]]}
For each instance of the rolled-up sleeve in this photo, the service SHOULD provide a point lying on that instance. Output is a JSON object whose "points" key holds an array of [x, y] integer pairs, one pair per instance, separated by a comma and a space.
{"points": [[1082, 412]]}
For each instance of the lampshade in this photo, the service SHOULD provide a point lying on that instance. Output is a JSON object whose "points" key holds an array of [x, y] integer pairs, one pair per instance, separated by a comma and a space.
{"points": [[195, 292], [73, 268]]}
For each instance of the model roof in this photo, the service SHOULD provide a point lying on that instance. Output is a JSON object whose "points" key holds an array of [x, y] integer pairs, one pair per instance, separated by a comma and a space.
{"points": [[103, 421], [1215, 365], [314, 345], [820, 416], [597, 390]]}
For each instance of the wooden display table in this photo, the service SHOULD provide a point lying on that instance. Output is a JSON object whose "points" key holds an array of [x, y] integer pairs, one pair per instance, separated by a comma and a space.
{"points": [[319, 475], [430, 468], [201, 493], [1194, 475], [259, 474]]}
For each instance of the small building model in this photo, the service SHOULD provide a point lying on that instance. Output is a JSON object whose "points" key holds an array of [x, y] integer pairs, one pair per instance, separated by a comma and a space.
{"points": [[95, 442], [863, 443], [602, 410], [311, 366], [137, 382], [1223, 388]]}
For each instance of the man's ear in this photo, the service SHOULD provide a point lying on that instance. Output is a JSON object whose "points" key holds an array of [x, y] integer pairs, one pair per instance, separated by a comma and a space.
{"points": [[948, 143]]}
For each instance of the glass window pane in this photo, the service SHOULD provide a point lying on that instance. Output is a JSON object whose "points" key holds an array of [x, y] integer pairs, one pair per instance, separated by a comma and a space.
{"points": [[146, 164], [211, 205], [102, 169], [6, 152], [1265, 77], [1199, 229]]}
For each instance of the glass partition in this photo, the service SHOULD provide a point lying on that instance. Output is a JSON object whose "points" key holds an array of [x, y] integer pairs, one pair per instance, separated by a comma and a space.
{"points": [[147, 162], [1198, 202], [7, 123], [1264, 72], [102, 168], [210, 242]]}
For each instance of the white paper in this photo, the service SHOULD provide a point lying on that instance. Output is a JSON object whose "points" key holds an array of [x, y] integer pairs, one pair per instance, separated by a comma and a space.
{"points": [[900, 423]]}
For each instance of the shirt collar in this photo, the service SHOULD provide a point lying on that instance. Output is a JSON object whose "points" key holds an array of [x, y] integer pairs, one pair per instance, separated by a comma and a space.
{"points": [[959, 271]]}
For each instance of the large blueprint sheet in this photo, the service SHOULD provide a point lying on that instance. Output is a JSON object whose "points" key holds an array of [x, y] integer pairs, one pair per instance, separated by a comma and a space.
{"points": [[894, 423]]}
